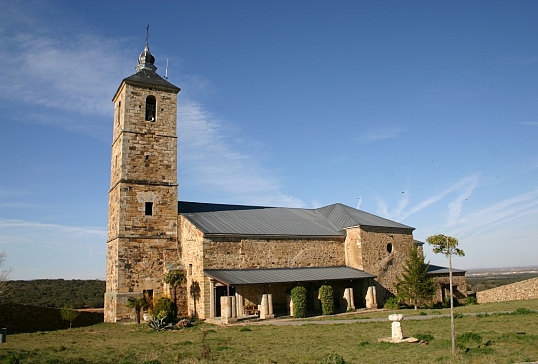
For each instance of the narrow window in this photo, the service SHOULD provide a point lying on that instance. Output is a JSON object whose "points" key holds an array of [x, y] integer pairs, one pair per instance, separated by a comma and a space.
{"points": [[151, 104], [389, 248], [190, 269], [148, 208]]}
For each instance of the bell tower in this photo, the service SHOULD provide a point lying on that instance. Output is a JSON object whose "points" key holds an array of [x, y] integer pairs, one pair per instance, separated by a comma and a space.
{"points": [[142, 207]]}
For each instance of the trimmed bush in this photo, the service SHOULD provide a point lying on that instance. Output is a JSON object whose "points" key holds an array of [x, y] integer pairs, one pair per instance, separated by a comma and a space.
{"points": [[326, 295], [392, 303], [298, 296]]}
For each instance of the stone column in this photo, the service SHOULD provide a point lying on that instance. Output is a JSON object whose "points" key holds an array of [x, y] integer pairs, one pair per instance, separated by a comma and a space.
{"points": [[240, 304], [266, 307], [227, 306], [348, 296], [371, 299]]}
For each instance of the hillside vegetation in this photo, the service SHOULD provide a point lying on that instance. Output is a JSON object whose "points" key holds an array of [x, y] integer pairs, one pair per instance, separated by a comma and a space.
{"points": [[76, 293]]}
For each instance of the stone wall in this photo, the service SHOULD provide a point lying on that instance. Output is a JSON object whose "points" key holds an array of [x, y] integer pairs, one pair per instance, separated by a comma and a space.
{"points": [[142, 220], [272, 253], [381, 252], [459, 287], [524, 290]]}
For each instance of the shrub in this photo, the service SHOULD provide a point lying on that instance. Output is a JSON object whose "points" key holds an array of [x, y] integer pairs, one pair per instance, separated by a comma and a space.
{"points": [[392, 303], [333, 359], [298, 296], [165, 308], [522, 311], [471, 301], [464, 341], [139, 304], [326, 295]]}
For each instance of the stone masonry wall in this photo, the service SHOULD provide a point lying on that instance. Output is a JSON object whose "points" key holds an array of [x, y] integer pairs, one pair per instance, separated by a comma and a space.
{"points": [[272, 253], [459, 287], [524, 290], [190, 239], [381, 252], [141, 246]]}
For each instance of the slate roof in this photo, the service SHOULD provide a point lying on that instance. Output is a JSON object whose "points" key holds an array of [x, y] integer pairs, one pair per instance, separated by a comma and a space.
{"points": [[240, 220], [147, 77], [285, 275], [436, 269]]}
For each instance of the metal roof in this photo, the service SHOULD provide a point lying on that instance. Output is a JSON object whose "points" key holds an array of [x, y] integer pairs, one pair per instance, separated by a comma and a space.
{"points": [[240, 220], [436, 269], [285, 275]]}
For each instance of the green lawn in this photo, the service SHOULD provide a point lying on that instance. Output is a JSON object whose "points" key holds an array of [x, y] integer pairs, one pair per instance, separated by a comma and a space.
{"points": [[507, 338]]}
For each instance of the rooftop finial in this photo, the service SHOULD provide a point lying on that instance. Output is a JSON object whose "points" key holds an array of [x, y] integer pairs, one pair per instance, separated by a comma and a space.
{"points": [[147, 35], [146, 60]]}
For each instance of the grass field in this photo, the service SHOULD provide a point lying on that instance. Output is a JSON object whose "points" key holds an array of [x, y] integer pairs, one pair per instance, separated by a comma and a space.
{"points": [[498, 338]]}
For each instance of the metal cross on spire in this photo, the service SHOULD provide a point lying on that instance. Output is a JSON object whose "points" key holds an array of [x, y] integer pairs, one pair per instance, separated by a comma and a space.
{"points": [[147, 35]]}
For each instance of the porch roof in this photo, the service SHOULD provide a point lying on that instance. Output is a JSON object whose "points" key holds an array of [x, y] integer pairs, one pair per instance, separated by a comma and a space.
{"points": [[234, 277]]}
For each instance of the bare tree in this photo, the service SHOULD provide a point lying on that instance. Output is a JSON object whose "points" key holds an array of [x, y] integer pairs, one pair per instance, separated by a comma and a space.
{"points": [[4, 274], [448, 246]]}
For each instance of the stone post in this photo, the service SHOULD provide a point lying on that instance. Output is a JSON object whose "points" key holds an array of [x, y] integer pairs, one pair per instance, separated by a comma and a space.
{"points": [[350, 300], [371, 299], [227, 306], [266, 307], [397, 333], [240, 304]]}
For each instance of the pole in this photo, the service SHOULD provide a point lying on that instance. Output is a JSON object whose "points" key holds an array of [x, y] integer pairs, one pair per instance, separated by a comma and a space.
{"points": [[452, 328]]}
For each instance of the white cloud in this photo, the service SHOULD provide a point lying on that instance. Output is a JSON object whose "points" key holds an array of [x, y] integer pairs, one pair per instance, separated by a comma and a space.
{"points": [[205, 151], [379, 134], [466, 187], [532, 123]]}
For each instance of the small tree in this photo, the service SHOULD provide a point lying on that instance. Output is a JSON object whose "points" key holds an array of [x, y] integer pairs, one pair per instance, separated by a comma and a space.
{"points": [[326, 294], [298, 296], [448, 246], [69, 314], [415, 285], [174, 279], [4, 274], [139, 304]]}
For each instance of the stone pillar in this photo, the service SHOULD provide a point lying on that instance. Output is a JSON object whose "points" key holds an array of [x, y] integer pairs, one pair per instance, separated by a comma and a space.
{"points": [[266, 307], [213, 298], [240, 304], [348, 296], [227, 309], [371, 299], [290, 305], [270, 305], [397, 333]]}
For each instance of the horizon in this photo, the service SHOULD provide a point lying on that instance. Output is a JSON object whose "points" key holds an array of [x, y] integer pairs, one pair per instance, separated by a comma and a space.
{"points": [[422, 113]]}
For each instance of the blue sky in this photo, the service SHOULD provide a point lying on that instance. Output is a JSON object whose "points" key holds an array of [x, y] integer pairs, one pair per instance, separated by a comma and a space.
{"points": [[422, 112]]}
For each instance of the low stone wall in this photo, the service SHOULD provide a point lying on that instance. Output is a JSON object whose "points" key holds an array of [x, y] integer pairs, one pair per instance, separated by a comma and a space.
{"points": [[524, 290]]}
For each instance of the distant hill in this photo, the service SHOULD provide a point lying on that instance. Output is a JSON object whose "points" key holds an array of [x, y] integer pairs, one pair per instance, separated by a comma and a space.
{"points": [[486, 278], [56, 293]]}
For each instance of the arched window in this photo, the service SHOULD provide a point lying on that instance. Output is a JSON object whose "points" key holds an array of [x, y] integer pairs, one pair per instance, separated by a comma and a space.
{"points": [[151, 106]]}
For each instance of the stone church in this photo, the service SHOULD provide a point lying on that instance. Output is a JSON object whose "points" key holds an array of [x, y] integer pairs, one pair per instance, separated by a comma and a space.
{"points": [[247, 253]]}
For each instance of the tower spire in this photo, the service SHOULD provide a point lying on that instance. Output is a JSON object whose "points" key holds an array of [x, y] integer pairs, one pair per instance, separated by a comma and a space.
{"points": [[146, 60]]}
